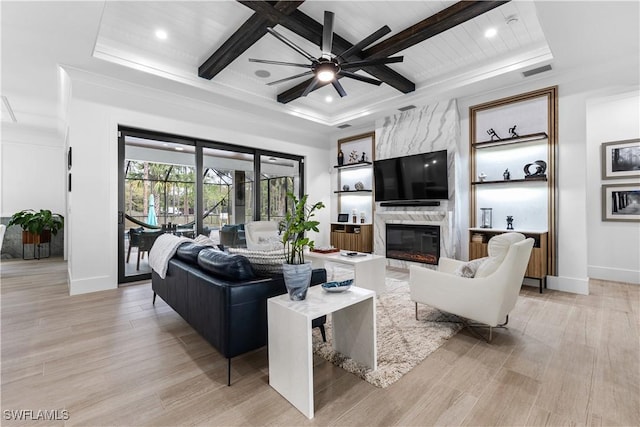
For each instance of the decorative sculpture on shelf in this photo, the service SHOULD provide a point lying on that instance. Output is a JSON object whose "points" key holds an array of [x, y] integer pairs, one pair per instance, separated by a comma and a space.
{"points": [[340, 158], [364, 157], [512, 132], [482, 176], [541, 168], [493, 134], [359, 186], [345, 187], [509, 222], [506, 175], [353, 156]]}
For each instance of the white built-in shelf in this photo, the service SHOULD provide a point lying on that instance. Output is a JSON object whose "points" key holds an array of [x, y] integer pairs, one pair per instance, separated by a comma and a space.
{"points": [[517, 140]]}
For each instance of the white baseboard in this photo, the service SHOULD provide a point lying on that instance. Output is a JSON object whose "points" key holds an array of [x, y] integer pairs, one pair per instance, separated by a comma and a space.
{"points": [[614, 274], [568, 284], [91, 284]]}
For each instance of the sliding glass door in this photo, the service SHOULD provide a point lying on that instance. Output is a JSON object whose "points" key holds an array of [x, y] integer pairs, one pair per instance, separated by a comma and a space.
{"points": [[183, 186]]}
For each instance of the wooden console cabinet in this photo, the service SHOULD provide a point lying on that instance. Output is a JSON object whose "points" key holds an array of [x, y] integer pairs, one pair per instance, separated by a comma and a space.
{"points": [[537, 267], [352, 237]]}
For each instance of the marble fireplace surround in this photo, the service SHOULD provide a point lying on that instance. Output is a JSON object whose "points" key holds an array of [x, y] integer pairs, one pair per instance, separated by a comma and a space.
{"points": [[444, 219]]}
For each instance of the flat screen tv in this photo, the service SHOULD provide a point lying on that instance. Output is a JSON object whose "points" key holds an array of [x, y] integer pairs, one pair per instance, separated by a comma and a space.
{"points": [[417, 177]]}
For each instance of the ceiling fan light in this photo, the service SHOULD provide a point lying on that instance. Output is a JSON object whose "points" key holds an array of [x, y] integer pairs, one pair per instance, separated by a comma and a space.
{"points": [[326, 75]]}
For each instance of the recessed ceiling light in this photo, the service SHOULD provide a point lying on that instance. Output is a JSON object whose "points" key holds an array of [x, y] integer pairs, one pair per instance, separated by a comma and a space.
{"points": [[490, 33], [179, 149], [161, 34], [328, 98]]}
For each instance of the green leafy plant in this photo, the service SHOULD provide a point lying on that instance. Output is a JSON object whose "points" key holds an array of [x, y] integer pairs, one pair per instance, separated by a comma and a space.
{"points": [[36, 222], [293, 228]]}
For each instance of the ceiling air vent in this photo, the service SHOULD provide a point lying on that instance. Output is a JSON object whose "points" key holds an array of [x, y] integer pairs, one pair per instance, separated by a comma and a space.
{"points": [[344, 126], [408, 107], [535, 71]]}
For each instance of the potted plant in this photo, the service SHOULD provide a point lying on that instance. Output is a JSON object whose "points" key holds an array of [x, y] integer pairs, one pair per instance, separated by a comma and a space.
{"points": [[297, 272], [37, 227]]}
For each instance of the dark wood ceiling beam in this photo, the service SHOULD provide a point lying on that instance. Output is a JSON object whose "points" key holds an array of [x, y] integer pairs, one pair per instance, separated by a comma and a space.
{"points": [[440, 22], [249, 32], [311, 30]]}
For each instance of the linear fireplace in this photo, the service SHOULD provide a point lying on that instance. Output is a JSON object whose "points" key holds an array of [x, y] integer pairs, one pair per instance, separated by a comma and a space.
{"points": [[417, 243]]}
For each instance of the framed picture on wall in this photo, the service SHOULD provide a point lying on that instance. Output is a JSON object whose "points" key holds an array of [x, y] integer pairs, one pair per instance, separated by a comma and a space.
{"points": [[621, 202], [621, 159]]}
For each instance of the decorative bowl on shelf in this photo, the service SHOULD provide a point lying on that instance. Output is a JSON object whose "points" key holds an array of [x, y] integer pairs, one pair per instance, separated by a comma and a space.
{"points": [[337, 286]]}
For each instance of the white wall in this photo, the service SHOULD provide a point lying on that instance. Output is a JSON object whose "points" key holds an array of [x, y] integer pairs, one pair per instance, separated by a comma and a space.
{"points": [[92, 207], [614, 247], [33, 170]]}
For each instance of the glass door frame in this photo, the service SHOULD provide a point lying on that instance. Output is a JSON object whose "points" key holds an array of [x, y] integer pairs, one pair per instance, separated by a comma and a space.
{"points": [[199, 144]]}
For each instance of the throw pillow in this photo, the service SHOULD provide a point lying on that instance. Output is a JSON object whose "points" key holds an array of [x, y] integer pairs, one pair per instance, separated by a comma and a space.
{"points": [[272, 242], [469, 269], [263, 262], [204, 240]]}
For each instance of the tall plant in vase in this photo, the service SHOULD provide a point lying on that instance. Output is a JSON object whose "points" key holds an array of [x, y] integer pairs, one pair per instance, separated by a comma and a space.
{"points": [[298, 221]]}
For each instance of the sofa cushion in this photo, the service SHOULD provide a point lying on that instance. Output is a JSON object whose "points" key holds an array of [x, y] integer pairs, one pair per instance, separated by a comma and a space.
{"points": [[228, 266], [263, 262], [188, 252]]}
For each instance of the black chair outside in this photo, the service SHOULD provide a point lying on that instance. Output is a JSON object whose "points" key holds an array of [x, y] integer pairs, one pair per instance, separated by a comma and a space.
{"points": [[147, 239], [134, 239]]}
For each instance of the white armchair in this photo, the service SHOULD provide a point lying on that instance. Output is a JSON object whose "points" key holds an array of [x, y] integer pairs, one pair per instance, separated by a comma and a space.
{"points": [[489, 296], [262, 235]]}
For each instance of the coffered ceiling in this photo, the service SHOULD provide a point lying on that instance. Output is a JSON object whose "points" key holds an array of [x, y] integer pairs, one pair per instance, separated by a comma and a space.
{"points": [[195, 30], [116, 41]]}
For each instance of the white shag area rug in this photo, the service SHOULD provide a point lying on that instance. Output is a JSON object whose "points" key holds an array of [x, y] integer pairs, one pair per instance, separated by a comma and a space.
{"points": [[403, 341]]}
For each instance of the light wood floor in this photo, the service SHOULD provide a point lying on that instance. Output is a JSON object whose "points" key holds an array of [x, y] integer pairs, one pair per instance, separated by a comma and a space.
{"points": [[111, 358]]}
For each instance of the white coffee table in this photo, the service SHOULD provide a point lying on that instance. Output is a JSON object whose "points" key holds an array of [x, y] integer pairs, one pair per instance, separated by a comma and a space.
{"points": [[353, 317], [369, 269]]}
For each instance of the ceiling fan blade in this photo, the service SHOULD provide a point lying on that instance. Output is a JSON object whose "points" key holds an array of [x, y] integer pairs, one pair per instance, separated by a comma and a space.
{"points": [[336, 84], [311, 86], [266, 61], [358, 47], [286, 79], [367, 62], [292, 45], [327, 34], [359, 77]]}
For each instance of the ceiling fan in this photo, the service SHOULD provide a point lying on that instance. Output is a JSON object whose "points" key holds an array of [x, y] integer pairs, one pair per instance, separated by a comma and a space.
{"points": [[328, 67]]}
